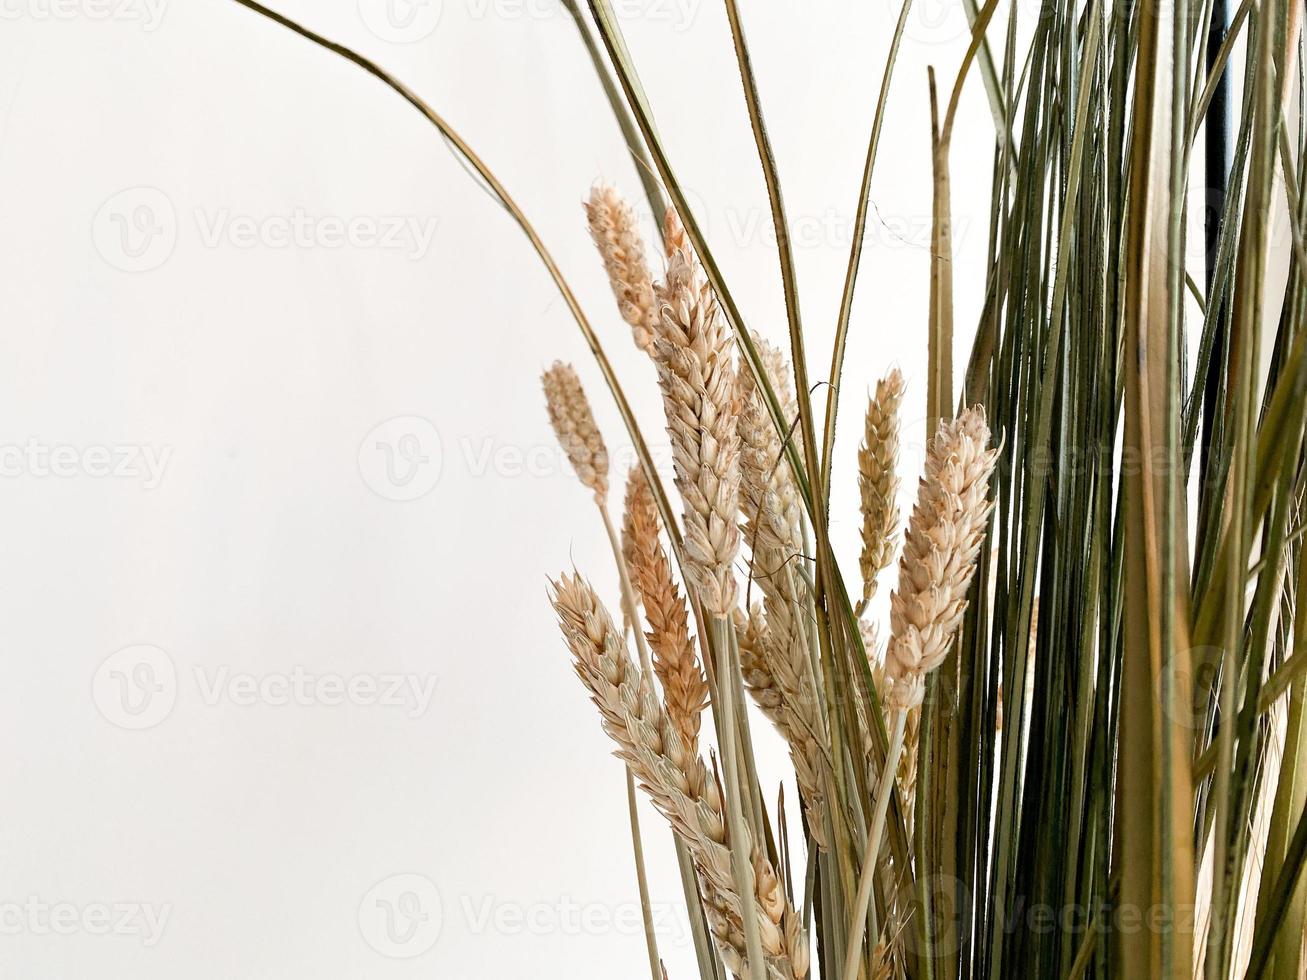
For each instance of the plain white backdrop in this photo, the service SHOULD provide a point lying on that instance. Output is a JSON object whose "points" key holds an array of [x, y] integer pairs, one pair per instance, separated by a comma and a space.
{"points": [[282, 693]]}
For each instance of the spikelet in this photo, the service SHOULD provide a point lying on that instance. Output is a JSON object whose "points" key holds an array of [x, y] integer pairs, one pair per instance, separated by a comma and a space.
{"points": [[685, 690], [679, 784], [751, 635], [693, 355], [574, 424], [878, 482], [674, 237], [617, 236], [939, 554]]}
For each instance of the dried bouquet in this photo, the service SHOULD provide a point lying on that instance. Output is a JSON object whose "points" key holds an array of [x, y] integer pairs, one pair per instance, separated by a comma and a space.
{"points": [[1078, 746]]}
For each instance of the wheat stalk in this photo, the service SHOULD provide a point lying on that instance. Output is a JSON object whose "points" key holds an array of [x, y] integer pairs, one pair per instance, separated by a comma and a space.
{"points": [[616, 235], [878, 483], [685, 690], [574, 424], [939, 560], [939, 554], [680, 785], [695, 372], [769, 502], [906, 773]]}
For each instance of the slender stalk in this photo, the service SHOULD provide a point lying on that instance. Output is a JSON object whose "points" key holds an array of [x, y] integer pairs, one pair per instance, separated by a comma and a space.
{"points": [[641, 875], [642, 879], [741, 863], [867, 877], [855, 260], [518, 216]]}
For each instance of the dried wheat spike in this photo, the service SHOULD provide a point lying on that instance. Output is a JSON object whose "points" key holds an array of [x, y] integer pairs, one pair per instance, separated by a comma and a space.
{"points": [[878, 482], [574, 424], [939, 554], [617, 236], [695, 372], [679, 784], [674, 237], [685, 690]]}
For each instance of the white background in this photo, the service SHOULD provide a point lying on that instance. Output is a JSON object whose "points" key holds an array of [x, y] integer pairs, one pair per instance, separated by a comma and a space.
{"points": [[152, 309]]}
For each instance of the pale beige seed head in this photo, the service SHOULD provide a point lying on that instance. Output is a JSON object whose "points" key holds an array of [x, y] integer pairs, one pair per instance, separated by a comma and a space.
{"points": [[574, 424], [878, 483], [939, 554], [697, 377], [616, 235]]}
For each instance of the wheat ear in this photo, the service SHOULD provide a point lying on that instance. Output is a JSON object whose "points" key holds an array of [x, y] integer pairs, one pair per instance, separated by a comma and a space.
{"points": [[939, 554], [939, 560], [693, 355], [878, 483], [685, 689], [574, 424], [680, 786], [617, 236], [769, 503]]}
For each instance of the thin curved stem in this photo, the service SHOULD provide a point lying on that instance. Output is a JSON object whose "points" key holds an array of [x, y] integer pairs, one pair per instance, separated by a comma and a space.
{"points": [[466, 152]]}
